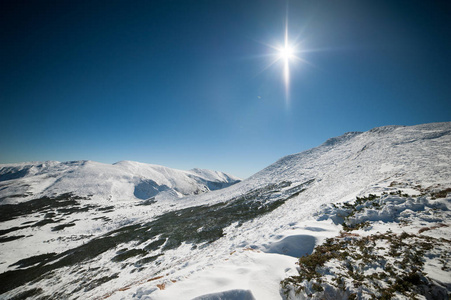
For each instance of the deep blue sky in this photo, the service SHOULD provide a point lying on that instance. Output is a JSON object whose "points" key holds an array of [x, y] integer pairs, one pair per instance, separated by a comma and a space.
{"points": [[183, 83]]}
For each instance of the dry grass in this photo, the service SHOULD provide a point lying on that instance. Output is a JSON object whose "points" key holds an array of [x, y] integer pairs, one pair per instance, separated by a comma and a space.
{"points": [[440, 225], [155, 278], [344, 234]]}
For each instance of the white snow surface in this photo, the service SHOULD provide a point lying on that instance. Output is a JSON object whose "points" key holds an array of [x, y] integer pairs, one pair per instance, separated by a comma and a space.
{"points": [[252, 257]]}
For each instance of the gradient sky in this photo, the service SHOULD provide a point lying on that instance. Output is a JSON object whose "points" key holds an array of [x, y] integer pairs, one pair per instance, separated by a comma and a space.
{"points": [[184, 83]]}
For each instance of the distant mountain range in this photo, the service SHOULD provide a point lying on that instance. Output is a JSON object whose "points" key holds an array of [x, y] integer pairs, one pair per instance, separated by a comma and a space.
{"points": [[364, 215], [124, 180]]}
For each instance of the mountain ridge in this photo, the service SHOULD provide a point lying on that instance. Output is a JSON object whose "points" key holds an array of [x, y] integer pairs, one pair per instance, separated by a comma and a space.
{"points": [[121, 180]]}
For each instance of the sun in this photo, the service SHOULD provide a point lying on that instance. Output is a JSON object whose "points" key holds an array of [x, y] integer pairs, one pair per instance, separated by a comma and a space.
{"points": [[286, 53]]}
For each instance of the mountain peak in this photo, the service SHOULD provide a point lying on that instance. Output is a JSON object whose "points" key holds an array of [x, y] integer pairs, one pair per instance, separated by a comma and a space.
{"points": [[340, 139]]}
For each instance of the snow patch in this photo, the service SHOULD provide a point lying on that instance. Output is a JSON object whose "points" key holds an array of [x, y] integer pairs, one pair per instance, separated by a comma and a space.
{"points": [[294, 245], [228, 295]]}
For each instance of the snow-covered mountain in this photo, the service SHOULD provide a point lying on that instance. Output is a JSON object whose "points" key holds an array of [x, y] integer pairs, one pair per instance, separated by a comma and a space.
{"points": [[350, 208], [120, 181]]}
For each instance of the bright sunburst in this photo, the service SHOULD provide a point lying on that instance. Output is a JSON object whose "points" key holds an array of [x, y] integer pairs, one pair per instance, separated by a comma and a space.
{"points": [[285, 54]]}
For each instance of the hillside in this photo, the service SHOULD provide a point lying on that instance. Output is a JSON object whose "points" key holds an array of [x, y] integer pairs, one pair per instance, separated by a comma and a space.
{"points": [[389, 185]]}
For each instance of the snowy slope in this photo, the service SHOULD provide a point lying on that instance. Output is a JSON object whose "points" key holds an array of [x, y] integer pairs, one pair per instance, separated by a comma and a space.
{"points": [[120, 181], [381, 160], [241, 241]]}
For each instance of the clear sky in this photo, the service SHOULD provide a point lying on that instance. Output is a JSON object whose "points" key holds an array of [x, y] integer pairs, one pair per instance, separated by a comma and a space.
{"points": [[187, 84]]}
